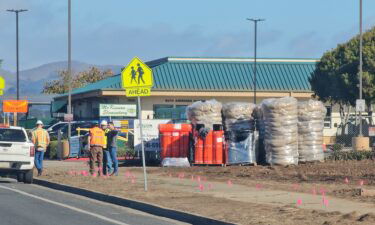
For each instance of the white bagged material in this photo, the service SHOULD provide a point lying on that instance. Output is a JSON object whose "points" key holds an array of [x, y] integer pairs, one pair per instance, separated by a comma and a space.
{"points": [[238, 116], [175, 162], [207, 113], [311, 116], [280, 130]]}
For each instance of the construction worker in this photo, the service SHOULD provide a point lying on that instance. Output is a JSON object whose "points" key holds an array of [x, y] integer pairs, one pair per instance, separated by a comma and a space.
{"points": [[106, 156], [112, 148], [40, 138], [97, 143]]}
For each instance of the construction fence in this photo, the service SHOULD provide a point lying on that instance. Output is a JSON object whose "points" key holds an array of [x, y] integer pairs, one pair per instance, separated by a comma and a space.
{"points": [[341, 131]]}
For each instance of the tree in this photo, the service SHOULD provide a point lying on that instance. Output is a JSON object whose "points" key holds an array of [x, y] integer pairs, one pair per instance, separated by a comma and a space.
{"points": [[60, 86], [336, 76]]}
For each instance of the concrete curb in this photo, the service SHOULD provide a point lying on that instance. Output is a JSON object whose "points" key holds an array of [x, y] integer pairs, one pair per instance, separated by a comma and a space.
{"points": [[140, 206]]}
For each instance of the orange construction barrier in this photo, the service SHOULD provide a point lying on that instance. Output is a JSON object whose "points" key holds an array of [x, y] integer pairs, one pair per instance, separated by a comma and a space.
{"points": [[165, 144], [211, 150], [198, 153], [208, 149], [218, 138], [184, 144], [174, 140], [175, 148]]}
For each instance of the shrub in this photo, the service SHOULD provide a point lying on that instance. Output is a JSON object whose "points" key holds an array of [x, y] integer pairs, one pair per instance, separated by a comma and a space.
{"points": [[125, 151], [352, 155], [53, 150], [337, 147]]}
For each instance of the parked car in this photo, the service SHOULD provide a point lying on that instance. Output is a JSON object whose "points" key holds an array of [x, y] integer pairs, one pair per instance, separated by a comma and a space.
{"points": [[74, 126], [16, 154], [55, 127]]}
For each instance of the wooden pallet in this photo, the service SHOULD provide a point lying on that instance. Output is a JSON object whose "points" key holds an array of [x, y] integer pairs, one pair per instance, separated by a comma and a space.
{"points": [[243, 164], [202, 164]]}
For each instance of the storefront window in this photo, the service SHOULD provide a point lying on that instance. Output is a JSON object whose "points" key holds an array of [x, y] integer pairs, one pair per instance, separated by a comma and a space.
{"points": [[170, 112], [162, 111]]}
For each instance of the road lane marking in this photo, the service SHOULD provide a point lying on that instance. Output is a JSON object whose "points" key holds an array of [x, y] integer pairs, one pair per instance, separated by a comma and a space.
{"points": [[65, 206]]}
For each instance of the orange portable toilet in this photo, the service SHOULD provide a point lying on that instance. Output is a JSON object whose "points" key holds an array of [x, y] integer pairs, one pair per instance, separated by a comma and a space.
{"points": [[208, 148]]}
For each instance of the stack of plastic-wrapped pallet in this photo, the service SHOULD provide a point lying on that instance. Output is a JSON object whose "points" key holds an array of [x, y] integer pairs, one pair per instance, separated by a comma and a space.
{"points": [[281, 130], [239, 126]]}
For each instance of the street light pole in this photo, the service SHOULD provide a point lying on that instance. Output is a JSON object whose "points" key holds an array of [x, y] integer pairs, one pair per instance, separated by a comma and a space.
{"points": [[17, 49], [255, 56], [69, 68], [360, 64]]}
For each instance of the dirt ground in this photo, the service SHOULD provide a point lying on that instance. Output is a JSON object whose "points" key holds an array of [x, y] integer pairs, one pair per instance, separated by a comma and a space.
{"points": [[224, 193]]}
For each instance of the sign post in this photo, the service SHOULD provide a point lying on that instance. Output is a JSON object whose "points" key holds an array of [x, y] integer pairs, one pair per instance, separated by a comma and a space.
{"points": [[137, 81]]}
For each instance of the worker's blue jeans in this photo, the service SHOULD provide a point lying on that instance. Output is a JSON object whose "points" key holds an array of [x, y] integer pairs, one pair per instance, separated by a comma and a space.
{"points": [[38, 159], [114, 160], [107, 162], [110, 161]]}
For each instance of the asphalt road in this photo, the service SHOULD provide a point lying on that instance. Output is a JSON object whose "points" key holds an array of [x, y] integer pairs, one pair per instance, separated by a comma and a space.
{"points": [[31, 204]]}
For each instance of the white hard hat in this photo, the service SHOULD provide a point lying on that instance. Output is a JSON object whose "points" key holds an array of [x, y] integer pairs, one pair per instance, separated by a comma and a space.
{"points": [[39, 122], [104, 123]]}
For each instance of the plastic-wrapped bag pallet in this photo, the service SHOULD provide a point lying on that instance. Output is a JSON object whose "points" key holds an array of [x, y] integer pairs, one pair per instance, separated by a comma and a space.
{"points": [[242, 151], [281, 130], [260, 152], [238, 116], [207, 113], [239, 126], [310, 130]]}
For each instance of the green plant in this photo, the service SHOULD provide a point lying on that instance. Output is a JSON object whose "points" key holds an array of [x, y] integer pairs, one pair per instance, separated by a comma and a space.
{"points": [[337, 147], [351, 155], [53, 149]]}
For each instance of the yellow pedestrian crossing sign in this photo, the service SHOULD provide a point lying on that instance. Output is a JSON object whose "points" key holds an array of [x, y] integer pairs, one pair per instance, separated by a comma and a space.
{"points": [[2, 85], [137, 78]]}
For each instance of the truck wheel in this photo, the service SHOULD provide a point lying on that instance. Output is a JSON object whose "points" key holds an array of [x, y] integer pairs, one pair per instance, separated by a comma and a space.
{"points": [[20, 177], [28, 179]]}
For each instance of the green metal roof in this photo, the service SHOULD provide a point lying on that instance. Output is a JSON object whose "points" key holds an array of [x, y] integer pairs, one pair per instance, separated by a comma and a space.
{"points": [[221, 74]]}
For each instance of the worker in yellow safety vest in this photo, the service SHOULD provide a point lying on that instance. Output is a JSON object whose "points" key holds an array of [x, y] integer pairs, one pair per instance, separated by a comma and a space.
{"points": [[40, 138], [97, 143]]}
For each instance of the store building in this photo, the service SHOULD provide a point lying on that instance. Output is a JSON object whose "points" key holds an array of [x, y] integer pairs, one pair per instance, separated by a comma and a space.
{"points": [[179, 81]]}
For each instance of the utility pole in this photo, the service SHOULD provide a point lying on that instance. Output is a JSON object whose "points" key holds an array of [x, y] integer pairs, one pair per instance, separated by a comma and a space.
{"points": [[17, 11], [69, 67], [255, 55], [360, 64]]}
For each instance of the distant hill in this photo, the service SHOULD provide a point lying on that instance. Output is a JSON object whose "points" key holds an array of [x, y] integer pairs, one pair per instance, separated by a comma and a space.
{"points": [[32, 80]]}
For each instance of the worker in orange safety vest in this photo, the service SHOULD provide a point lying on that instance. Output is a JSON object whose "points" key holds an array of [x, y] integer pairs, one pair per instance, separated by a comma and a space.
{"points": [[97, 143]]}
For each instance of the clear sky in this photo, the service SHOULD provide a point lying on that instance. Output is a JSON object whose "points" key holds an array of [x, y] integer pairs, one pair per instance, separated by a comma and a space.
{"points": [[113, 31]]}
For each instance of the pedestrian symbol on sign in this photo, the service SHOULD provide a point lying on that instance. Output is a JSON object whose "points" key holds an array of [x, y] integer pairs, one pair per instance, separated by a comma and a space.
{"points": [[133, 75], [140, 74]]}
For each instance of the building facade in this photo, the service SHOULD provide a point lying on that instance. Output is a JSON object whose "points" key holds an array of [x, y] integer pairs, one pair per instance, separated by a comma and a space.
{"points": [[180, 81]]}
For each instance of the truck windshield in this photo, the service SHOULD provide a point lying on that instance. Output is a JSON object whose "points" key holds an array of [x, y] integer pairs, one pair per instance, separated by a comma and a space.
{"points": [[12, 135]]}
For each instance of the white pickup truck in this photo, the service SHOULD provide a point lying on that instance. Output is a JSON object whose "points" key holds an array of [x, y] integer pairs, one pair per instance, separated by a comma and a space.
{"points": [[16, 154]]}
